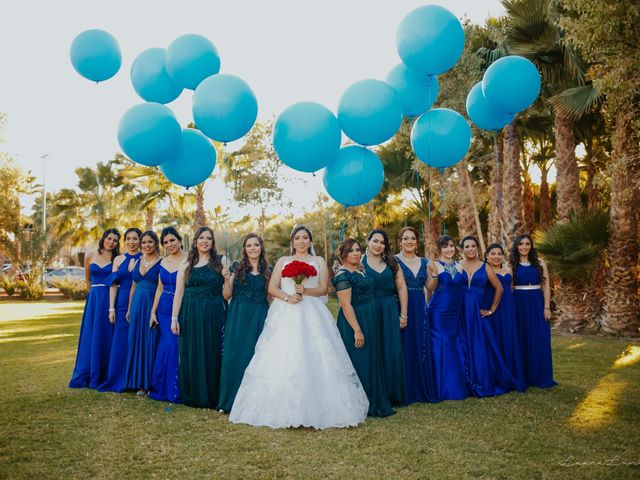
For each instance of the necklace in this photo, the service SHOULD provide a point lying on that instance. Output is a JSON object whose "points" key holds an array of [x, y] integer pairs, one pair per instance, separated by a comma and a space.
{"points": [[525, 264], [405, 260], [148, 263], [450, 268]]}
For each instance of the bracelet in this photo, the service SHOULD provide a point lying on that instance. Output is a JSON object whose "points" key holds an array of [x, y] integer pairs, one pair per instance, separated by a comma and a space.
{"points": [[112, 310], [174, 317], [404, 317], [547, 308]]}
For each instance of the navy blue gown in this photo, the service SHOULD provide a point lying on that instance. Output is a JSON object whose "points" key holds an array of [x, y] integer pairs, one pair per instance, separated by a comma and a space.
{"points": [[447, 336], [142, 339], [114, 382], [487, 371], [164, 376], [534, 332], [96, 333], [416, 339], [502, 325]]}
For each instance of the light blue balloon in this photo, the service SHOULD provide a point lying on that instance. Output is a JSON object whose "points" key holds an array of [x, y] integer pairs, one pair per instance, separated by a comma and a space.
{"points": [[194, 164], [430, 39], [354, 176], [224, 107], [190, 59], [417, 91], [370, 112], [306, 136], [482, 113], [441, 137], [511, 84], [149, 134], [150, 79], [95, 54]]}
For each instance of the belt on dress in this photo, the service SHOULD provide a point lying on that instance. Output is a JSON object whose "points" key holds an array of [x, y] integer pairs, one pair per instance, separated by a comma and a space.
{"points": [[168, 292], [98, 285], [527, 287]]}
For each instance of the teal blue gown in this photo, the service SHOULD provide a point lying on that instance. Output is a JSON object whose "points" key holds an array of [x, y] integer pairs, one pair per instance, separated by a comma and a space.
{"points": [[388, 310], [367, 360], [245, 320]]}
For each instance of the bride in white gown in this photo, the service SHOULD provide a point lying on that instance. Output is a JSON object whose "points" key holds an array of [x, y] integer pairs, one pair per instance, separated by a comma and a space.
{"points": [[300, 374]]}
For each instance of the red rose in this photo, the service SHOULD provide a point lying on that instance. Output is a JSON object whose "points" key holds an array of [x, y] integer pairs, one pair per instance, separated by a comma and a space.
{"points": [[298, 271]]}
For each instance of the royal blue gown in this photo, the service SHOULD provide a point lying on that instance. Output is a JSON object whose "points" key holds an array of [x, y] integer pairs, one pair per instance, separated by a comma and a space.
{"points": [[142, 339], [502, 325], [96, 333], [487, 371], [388, 310], [448, 342], [114, 382], [534, 332], [164, 376], [416, 339]]}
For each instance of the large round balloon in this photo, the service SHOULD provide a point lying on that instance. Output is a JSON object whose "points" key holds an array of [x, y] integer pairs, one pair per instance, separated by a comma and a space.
{"points": [[150, 79], [430, 39], [482, 113], [306, 136], [150, 134], [95, 54], [511, 84], [354, 176], [194, 164], [441, 137], [370, 112], [417, 91], [190, 59], [224, 107]]}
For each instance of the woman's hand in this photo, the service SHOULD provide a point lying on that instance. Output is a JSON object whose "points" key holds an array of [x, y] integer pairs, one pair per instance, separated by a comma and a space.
{"points": [[485, 313], [127, 317], [175, 326], [112, 316], [547, 314], [294, 299], [153, 321], [299, 289], [359, 339], [226, 273], [403, 321]]}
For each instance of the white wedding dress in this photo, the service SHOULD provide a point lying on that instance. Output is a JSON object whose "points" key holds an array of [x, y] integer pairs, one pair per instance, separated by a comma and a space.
{"points": [[300, 374]]}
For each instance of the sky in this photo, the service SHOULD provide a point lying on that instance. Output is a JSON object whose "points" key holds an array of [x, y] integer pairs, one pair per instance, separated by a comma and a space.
{"points": [[286, 50]]}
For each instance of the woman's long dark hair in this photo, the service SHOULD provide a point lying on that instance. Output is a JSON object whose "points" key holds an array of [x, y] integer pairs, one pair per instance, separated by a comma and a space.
{"points": [[214, 261], [116, 251], [153, 236], [532, 257], [244, 265], [387, 257], [170, 230]]}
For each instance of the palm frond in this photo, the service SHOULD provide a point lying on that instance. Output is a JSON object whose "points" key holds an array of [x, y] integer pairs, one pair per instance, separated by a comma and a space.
{"points": [[577, 101]]}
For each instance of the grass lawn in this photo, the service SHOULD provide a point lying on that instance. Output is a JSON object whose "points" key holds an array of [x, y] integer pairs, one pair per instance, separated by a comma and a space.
{"points": [[50, 431]]}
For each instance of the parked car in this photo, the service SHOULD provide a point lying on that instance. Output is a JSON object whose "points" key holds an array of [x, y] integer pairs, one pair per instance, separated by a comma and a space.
{"points": [[71, 273]]}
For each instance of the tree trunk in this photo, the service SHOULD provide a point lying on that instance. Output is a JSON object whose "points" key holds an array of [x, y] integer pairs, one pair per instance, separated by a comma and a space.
{"points": [[593, 195], [494, 234], [200, 218], [431, 234], [621, 307], [150, 214], [468, 216], [528, 205], [512, 220], [568, 177], [545, 199]]}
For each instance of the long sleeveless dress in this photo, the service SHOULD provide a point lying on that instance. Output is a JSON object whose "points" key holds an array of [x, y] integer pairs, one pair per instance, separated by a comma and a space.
{"points": [[448, 341], [300, 374], [142, 339], [416, 339], [245, 320], [114, 382], [366, 360], [487, 372], [534, 332], [164, 376], [388, 311], [96, 333], [502, 326], [202, 317]]}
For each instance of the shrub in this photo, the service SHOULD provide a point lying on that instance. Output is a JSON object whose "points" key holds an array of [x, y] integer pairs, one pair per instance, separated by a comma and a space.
{"points": [[8, 284], [72, 289], [30, 289]]}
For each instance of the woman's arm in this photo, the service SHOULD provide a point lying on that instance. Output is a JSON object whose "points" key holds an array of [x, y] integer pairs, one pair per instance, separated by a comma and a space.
{"points": [[87, 270], [177, 298], [133, 289], [113, 289], [227, 290], [153, 320], [495, 283], [274, 282], [432, 276], [546, 290], [323, 281], [403, 297], [344, 300]]}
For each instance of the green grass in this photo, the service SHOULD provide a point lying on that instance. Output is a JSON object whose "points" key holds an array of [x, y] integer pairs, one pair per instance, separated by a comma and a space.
{"points": [[50, 431]]}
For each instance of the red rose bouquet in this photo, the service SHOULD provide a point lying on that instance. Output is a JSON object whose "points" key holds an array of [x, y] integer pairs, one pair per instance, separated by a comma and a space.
{"points": [[298, 271]]}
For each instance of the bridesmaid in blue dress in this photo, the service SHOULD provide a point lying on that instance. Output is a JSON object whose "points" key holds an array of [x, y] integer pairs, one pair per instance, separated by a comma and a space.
{"points": [[164, 376], [359, 327], [532, 299], [502, 323], [416, 337], [96, 332], [448, 341], [142, 339], [247, 289], [391, 305], [487, 372], [120, 283]]}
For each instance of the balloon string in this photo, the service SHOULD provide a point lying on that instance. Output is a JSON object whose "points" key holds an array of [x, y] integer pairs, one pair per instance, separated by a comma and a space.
{"points": [[421, 206], [444, 226], [513, 178], [344, 223], [495, 148], [429, 205]]}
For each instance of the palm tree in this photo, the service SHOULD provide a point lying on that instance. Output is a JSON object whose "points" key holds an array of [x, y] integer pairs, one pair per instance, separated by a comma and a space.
{"points": [[574, 252], [512, 204]]}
